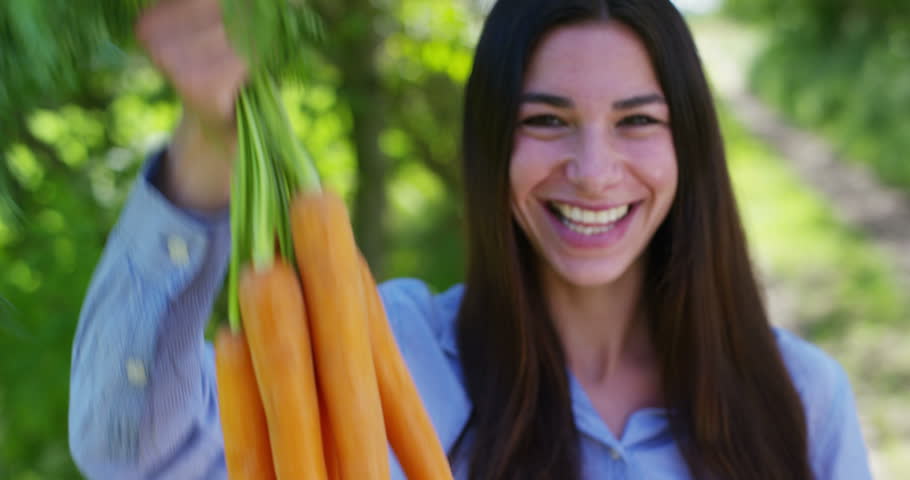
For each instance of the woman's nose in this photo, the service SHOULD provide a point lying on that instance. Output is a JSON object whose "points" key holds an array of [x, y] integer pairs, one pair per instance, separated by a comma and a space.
{"points": [[595, 165]]}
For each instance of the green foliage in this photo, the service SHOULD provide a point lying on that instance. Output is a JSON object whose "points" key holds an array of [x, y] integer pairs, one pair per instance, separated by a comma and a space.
{"points": [[848, 283], [425, 63], [73, 150], [75, 147], [39, 62], [826, 18], [844, 294], [842, 68], [68, 178], [50, 46]]}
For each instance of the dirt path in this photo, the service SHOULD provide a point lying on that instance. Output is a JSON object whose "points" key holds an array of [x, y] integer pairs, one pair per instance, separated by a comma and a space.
{"points": [[859, 198], [860, 202]]}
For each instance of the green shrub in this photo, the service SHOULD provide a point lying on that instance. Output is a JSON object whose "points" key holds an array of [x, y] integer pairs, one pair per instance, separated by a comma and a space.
{"points": [[843, 69]]}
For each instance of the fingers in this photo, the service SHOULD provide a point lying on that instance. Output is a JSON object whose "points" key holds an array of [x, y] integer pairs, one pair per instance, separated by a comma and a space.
{"points": [[175, 20], [188, 42], [201, 50]]}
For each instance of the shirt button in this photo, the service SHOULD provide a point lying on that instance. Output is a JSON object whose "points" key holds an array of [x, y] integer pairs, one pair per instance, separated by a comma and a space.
{"points": [[178, 251], [614, 453], [135, 372]]}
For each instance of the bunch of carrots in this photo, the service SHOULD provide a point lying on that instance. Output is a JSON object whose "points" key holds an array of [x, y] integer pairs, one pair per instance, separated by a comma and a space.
{"points": [[310, 380], [311, 384]]}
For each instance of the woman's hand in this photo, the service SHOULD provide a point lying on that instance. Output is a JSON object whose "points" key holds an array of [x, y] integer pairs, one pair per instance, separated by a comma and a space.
{"points": [[187, 41]]}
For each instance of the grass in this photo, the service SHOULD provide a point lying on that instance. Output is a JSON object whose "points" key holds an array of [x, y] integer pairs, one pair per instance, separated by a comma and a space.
{"points": [[854, 90], [842, 294]]}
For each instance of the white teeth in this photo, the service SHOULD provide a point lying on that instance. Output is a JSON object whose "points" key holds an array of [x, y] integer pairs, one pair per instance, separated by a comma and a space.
{"points": [[577, 213], [587, 230], [599, 218]]}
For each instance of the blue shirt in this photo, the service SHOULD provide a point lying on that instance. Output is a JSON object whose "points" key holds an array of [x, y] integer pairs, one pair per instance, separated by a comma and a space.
{"points": [[143, 401]]}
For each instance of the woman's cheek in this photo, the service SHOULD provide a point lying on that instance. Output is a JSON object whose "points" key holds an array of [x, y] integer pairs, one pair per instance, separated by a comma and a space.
{"points": [[533, 161], [656, 164]]}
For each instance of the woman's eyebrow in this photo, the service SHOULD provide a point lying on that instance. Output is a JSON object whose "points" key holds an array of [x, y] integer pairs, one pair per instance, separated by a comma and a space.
{"points": [[638, 101], [563, 102], [547, 98]]}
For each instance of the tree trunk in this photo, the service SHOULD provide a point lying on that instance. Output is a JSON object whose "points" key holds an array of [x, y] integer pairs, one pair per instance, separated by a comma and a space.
{"points": [[352, 47], [372, 168]]}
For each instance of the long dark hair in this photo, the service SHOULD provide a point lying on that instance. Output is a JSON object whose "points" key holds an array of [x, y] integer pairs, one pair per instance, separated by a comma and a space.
{"points": [[733, 408]]}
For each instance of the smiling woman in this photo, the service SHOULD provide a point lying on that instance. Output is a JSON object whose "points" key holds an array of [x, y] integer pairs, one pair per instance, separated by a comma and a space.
{"points": [[593, 170], [609, 325], [589, 188], [610, 304]]}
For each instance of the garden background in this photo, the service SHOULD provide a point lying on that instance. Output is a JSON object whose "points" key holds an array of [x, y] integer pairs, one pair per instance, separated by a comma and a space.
{"points": [[814, 96]]}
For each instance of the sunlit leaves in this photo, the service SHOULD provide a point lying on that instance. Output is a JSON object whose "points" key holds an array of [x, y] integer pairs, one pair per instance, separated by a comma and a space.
{"points": [[323, 124], [435, 37], [414, 191], [77, 156], [135, 118], [73, 131], [25, 167], [395, 143], [23, 277], [854, 89], [46, 48]]}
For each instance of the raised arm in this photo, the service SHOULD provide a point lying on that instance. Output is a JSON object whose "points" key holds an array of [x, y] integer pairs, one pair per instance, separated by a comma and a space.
{"points": [[143, 402], [142, 388]]}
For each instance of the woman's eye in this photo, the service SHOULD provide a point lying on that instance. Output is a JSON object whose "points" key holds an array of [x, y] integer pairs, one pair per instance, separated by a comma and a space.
{"points": [[637, 121], [544, 121]]}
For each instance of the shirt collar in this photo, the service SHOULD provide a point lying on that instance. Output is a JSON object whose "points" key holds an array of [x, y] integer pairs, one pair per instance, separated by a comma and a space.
{"points": [[643, 426], [448, 303]]}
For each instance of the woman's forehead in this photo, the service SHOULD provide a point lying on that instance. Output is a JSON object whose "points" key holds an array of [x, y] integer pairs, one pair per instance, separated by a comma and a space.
{"points": [[605, 59]]}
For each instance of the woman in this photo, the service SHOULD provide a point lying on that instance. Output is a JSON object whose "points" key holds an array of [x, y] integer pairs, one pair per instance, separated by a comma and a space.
{"points": [[609, 327]]}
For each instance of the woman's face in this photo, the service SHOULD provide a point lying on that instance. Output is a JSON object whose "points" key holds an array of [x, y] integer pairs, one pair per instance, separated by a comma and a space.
{"points": [[593, 171]]}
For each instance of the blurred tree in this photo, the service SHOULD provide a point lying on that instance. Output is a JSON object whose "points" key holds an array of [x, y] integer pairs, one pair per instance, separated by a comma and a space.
{"points": [[352, 47], [379, 111], [70, 168], [841, 67], [398, 81]]}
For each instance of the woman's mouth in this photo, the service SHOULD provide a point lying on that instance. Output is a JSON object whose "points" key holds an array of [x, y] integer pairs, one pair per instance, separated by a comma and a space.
{"points": [[589, 222], [591, 228]]}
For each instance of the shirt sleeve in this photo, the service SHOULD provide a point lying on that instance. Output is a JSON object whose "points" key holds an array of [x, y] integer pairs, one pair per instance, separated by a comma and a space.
{"points": [[840, 452], [836, 447], [143, 400]]}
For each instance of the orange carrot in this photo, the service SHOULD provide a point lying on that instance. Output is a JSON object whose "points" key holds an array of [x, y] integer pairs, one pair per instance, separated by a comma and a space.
{"points": [[328, 443], [246, 436], [330, 270], [274, 319], [407, 423]]}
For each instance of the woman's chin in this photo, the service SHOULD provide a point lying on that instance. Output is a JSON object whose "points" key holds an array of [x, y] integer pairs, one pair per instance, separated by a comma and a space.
{"points": [[591, 273]]}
